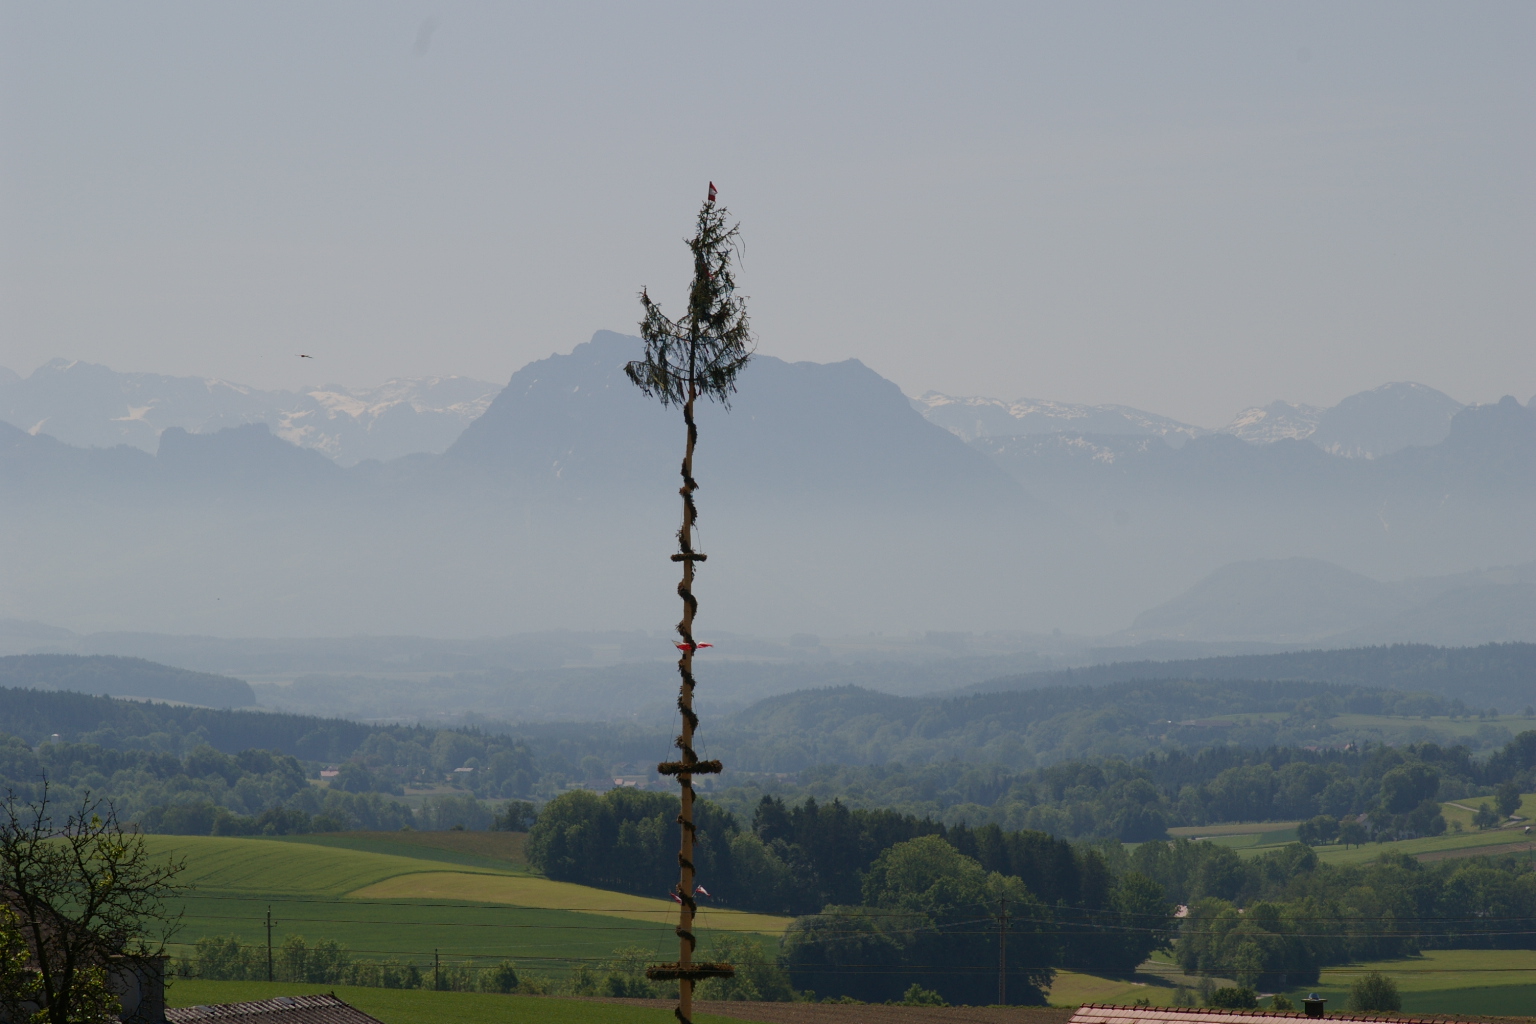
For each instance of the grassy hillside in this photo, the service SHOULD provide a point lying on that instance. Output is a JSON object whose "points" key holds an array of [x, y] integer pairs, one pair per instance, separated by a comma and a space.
{"points": [[239, 865], [1254, 838], [1460, 981], [529, 891], [396, 1006], [501, 851], [395, 905]]}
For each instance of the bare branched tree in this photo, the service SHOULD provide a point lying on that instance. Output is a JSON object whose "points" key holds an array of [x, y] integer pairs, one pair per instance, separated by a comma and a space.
{"points": [[82, 895], [698, 356]]}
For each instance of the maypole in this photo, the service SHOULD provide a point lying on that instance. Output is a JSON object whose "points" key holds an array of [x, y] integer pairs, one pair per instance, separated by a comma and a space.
{"points": [[698, 357]]}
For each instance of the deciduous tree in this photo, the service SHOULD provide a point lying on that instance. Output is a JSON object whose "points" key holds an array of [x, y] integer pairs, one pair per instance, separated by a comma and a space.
{"points": [[83, 892]]}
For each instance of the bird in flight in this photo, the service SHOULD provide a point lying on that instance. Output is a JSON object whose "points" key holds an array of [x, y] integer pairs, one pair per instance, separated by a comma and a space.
{"points": [[303, 356]]}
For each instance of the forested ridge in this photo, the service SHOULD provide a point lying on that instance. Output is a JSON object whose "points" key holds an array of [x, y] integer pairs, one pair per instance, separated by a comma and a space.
{"points": [[123, 677], [1027, 728], [1138, 799], [142, 755], [1490, 673]]}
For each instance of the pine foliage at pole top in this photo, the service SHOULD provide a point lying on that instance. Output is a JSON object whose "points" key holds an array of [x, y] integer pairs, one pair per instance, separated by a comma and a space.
{"points": [[711, 344]]}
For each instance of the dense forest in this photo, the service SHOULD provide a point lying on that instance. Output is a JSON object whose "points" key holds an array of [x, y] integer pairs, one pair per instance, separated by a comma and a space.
{"points": [[1030, 728], [872, 888], [1136, 800], [180, 768], [882, 895], [123, 677], [1273, 921]]}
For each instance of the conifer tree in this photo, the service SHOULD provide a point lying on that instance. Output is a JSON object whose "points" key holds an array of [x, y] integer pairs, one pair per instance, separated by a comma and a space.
{"points": [[697, 356]]}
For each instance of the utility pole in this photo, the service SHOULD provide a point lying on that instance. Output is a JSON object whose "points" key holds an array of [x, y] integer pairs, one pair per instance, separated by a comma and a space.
{"points": [[437, 981], [1002, 951], [269, 943]]}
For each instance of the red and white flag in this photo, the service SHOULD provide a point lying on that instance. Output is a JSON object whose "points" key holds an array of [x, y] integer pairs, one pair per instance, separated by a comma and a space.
{"points": [[701, 890], [711, 191], [693, 647], [675, 897]]}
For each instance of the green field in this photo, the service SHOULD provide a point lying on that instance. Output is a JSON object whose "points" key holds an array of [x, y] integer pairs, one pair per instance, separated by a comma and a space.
{"points": [[396, 1006], [405, 906], [500, 851], [1256, 838], [1248, 828], [1493, 842], [1462, 981]]}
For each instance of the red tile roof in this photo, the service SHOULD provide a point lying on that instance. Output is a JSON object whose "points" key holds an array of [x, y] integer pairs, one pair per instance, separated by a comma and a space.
{"points": [[281, 1010], [1094, 1013]]}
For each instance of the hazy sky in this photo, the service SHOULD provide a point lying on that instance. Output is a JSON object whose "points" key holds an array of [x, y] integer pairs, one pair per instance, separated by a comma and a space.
{"points": [[1184, 207]]}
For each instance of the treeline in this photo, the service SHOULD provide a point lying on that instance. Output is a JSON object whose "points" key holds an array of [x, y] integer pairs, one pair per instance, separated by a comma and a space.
{"points": [[125, 677], [98, 732], [906, 900], [882, 890], [1023, 729], [1273, 922], [535, 763], [252, 792], [1397, 788]]}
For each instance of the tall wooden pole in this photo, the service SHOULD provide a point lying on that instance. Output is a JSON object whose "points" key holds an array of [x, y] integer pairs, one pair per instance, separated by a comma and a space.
{"points": [[687, 908], [686, 971], [717, 339]]}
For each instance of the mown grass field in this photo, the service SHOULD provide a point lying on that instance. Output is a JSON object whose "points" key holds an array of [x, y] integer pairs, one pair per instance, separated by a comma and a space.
{"points": [[530, 891], [1250, 828], [1463, 981], [1156, 983], [501, 851], [1256, 838], [397, 1006], [392, 906]]}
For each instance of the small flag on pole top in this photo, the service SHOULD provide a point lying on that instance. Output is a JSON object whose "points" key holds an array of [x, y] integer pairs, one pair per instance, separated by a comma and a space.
{"points": [[711, 191]]}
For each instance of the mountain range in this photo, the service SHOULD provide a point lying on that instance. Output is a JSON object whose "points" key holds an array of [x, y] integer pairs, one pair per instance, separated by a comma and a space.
{"points": [[829, 505], [1365, 425], [91, 406]]}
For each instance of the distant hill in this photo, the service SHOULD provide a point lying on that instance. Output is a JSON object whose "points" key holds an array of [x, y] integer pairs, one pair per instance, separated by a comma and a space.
{"points": [[1386, 420], [1499, 674], [122, 677], [1300, 600], [35, 715], [1038, 726]]}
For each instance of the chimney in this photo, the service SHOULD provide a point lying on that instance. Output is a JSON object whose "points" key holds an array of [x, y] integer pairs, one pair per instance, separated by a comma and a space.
{"points": [[1313, 1005]]}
